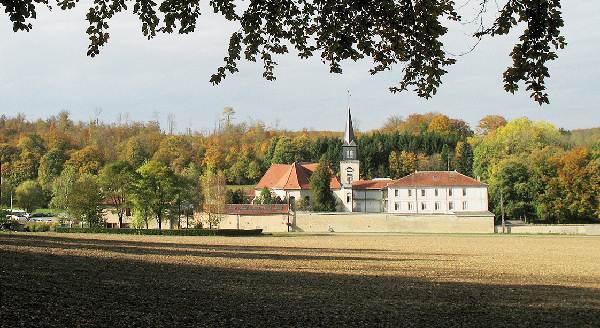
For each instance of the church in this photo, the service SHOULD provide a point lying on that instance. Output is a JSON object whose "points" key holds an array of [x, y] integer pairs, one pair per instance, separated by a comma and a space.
{"points": [[422, 192]]}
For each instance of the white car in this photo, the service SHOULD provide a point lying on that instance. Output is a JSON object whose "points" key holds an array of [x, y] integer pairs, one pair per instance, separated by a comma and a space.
{"points": [[19, 215]]}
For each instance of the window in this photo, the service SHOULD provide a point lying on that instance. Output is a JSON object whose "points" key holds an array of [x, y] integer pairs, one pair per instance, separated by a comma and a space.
{"points": [[449, 191], [450, 206], [464, 191], [437, 206], [410, 206], [396, 206], [409, 192], [423, 206], [349, 154], [436, 192], [422, 192], [396, 192], [348, 197], [349, 174], [464, 205]]}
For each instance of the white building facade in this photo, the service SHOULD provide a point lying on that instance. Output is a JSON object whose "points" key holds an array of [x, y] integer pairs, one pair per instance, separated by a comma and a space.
{"points": [[437, 192]]}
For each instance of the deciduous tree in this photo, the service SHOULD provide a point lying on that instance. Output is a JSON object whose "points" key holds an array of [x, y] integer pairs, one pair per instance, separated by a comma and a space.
{"points": [[285, 152], [117, 180], [51, 165], [155, 187], [490, 123], [29, 195], [79, 195], [214, 191], [89, 160]]}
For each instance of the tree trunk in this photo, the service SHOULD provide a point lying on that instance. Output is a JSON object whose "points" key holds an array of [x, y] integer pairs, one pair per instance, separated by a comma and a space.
{"points": [[159, 222], [178, 216], [120, 219]]}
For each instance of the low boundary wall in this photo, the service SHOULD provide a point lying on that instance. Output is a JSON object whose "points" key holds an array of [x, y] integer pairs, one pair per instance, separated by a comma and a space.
{"points": [[564, 229], [362, 222]]}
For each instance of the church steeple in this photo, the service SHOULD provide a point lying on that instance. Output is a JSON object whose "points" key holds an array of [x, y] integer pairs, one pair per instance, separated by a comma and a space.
{"points": [[349, 132], [349, 165]]}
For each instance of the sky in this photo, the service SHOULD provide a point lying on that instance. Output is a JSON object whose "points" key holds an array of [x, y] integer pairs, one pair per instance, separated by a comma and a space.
{"points": [[46, 70]]}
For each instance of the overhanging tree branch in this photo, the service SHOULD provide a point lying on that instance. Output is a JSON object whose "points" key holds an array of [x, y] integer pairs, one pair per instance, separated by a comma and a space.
{"points": [[389, 32]]}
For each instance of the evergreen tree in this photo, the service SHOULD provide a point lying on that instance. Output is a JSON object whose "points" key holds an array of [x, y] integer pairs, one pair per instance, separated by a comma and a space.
{"points": [[322, 199], [445, 157], [463, 158], [394, 165]]}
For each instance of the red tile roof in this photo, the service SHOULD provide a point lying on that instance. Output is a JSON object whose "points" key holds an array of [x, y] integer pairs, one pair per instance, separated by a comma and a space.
{"points": [[254, 209], [291, 176], [371, 184], [434, 179]]}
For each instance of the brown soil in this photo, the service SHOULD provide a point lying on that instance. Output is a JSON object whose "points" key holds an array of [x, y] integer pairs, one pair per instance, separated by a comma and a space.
{"points": [[71, 280]]}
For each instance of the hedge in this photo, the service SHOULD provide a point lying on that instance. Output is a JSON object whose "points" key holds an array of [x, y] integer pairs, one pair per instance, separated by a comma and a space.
{"points": [[182, 232], [40, 226]]}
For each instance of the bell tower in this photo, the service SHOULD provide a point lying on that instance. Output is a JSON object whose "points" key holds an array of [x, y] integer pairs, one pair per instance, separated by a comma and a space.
{"points": [[349, 165]]}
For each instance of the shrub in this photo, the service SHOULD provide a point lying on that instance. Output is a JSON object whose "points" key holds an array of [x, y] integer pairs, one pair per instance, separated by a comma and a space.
{"points": [[40, 226], [182, 232], [10, 225]]}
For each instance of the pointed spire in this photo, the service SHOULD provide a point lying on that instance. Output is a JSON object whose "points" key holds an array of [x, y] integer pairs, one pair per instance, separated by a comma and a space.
{"points": [[349, 132]]}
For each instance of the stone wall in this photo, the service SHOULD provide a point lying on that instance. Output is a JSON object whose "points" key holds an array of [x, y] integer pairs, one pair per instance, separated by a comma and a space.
{"points": [[269, 223], [566, 229], [362, 222]]}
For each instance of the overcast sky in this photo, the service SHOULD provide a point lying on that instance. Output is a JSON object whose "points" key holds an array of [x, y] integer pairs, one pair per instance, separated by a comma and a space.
{"points": [[46, 70]]}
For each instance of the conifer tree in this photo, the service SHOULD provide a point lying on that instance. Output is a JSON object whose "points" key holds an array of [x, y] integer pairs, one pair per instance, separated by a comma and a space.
{"points": [[322, 199], [463, 158]]}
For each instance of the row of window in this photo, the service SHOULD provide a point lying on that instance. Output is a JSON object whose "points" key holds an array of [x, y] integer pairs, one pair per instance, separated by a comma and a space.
{"points": [[435, 192], [436, 206]]}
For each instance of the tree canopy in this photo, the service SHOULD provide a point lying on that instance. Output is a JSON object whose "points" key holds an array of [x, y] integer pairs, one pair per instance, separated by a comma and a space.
{"points": [[408, 33]]}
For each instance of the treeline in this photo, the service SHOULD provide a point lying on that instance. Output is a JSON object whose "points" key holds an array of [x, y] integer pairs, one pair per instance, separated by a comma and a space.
{"points": [[40, 150], [38, 156], [539, 172]]}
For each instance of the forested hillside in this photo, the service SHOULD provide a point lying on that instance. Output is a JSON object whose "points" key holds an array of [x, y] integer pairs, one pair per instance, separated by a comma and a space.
{"points": [[544, 173]]}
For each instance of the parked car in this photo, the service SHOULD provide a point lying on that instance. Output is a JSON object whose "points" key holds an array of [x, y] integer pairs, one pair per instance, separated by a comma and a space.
{"points": [[43, 217], [19, 215]]}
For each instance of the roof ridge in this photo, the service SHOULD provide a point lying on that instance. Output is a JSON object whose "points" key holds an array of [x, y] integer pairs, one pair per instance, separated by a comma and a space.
{"points": [[289, 174]]}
